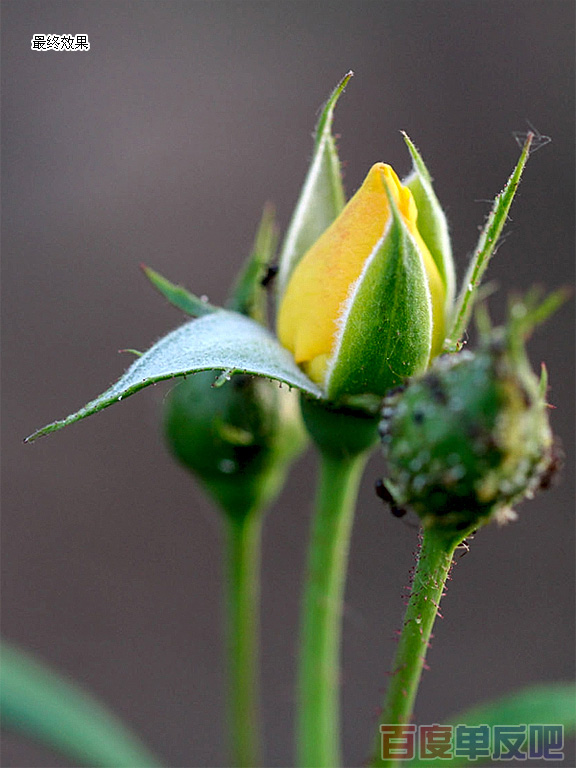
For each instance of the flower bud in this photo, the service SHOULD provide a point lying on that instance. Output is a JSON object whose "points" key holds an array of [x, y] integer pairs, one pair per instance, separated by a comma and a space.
{"points": [[238, 434], [366, 305], [470, 438], [238, 439]]}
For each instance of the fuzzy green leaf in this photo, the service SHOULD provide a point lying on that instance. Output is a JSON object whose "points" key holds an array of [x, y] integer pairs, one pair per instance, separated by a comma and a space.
{"points": [[487, 243], [218, 341], [178, 296], [322, 196], [39, 703]]}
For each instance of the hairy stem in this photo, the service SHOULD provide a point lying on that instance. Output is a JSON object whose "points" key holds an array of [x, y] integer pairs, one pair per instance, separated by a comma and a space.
{"points": [[434, 561]]}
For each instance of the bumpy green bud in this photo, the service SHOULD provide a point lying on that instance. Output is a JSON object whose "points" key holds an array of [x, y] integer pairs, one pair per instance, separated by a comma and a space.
{"points": [[471, 438], [238, 439]]}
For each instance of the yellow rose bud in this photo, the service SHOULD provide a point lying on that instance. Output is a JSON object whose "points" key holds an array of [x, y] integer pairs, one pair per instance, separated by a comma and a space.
{"points": [[315, 308]]}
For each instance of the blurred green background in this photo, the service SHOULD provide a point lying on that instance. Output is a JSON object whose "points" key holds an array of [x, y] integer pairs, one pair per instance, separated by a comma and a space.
{"points": [[160, 145]]}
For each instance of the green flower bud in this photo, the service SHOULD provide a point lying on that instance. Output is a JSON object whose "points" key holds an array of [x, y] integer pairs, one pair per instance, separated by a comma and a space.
{"points": [[238, 439], [236, 433], [470, 438]]}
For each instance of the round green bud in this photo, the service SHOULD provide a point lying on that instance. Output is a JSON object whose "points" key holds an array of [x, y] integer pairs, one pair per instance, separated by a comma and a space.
{"points": [[470, 438], [238, 439]]}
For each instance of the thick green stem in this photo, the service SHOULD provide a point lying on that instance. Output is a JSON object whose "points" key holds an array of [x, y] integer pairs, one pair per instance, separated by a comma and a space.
{"points": [[432, 570], [318, 727], [243, 595]]}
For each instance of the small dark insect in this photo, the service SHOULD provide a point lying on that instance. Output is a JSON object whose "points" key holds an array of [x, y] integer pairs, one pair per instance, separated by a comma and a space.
{"points": [[393, 393], [383, 493], [418, 417], [553, 468], [464, 548], [538, 139], [434, 384], [271, 273]]}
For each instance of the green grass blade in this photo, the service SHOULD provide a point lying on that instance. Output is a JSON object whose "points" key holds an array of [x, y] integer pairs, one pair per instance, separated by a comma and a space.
{"points": [[42, 705]]}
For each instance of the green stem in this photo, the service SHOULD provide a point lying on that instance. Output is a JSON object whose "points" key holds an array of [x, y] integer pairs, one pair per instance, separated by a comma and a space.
{"points": [[318, 726], [243, 594], [434, 561]]}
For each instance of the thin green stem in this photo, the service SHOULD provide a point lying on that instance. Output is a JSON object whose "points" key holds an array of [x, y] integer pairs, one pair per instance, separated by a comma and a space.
{"points": [[243, 595], [318, 726], [434, 561]]}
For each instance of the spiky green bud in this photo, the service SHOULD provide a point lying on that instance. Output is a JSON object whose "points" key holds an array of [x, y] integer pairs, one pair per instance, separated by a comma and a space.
{"points": [[471, 438]]}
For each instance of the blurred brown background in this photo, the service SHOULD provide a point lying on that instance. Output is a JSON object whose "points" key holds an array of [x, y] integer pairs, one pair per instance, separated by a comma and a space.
{"points": [[160, 145]]}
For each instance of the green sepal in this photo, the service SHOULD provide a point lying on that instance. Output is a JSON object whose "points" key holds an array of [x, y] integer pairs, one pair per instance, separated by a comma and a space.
{"points": [[386, 328], [432, 223], [485, 248], [339, 432], [249, 295], [321, 198], [178, 295], [41, 704], [218, 341], [238, 439]]}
